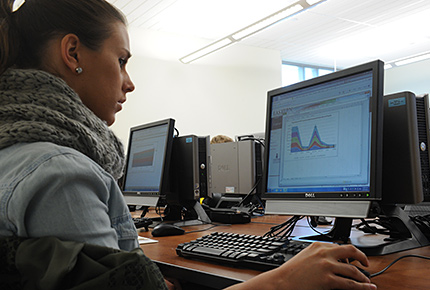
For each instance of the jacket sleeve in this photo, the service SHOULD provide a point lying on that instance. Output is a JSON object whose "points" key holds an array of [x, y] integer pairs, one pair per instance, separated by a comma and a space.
{"points": [[70, 197]]}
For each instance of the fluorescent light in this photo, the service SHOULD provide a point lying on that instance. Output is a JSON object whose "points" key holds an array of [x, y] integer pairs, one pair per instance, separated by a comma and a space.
{"points": [[388, 66], [206, 50], [407, 60], [264, 23], [312, 2], [17, 4], [412, 59]]}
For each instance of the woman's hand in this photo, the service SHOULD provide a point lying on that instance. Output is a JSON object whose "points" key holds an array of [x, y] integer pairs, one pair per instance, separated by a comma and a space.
{"points": [[318, 267], [172, 284]]}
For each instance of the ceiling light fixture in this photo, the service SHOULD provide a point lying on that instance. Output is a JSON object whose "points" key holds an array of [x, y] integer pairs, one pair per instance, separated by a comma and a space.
{"points": [[266, 22], [260, 25], [407, 60], [17, 4], [207, 49]]}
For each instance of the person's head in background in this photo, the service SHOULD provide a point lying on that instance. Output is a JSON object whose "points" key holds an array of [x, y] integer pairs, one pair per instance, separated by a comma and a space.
{"points": [[221, 139], [84, 42]]}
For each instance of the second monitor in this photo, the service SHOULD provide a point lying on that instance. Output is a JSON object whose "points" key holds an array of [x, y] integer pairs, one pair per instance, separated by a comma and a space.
{"points": [[325, 147]]}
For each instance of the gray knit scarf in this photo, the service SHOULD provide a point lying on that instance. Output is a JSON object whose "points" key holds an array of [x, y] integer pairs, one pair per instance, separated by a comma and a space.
{"points": [[36, 106]]}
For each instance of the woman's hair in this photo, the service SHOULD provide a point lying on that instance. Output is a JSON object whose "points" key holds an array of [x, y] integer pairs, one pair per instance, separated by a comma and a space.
{"points": [[221, 139], [25, 32]]}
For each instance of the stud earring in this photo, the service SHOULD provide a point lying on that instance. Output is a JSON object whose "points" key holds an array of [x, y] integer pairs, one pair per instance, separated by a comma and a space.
{"points": [[78, 70]]}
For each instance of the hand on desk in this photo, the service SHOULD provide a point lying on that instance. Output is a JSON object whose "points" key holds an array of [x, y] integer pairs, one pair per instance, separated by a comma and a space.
{"points": [[316, 267], [172, 284]]}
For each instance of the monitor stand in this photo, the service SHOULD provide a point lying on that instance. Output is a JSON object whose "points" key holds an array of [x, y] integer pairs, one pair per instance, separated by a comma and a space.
{"points": [[339, 233], [202, 217], [404, 234], [174, 215]]}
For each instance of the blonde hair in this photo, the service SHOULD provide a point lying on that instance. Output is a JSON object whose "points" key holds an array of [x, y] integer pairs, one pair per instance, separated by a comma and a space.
{"points": [[221, 139]]}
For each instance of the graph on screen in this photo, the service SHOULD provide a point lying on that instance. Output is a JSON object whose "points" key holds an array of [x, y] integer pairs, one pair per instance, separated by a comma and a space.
{"points": [[143, 158], [315, 142], [312, 135]]}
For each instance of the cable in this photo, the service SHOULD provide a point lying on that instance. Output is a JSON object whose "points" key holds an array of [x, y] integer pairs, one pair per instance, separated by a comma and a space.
{"points": [[259, 210], [315, 230], [145, 210], [253, 207], [423, 223], [196, 231], [395, 261], [250, 192], [365, 226], [252, 138], [285, 229]]}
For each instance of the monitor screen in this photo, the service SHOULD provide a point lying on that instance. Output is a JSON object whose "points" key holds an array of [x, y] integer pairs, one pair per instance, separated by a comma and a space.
{"points": [[324, 144], [147, 165]]}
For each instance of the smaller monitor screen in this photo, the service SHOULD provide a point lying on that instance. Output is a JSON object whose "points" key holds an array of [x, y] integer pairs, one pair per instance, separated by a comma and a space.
{"points": [[148, 156]]}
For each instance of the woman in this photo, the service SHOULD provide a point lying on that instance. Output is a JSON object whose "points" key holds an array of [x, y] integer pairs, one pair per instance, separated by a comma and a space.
{"points": [[63, 78]]}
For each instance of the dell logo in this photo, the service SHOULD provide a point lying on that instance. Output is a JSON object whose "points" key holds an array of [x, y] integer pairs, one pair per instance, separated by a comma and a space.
{"points": [[223, 167], [309, 194]]}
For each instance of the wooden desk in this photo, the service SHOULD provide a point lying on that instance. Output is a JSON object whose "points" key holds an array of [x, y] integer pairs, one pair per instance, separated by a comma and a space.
{"points": [[409, 273]]}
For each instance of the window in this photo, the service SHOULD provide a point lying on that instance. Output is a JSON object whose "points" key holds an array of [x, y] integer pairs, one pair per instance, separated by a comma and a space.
{"points": [[294, 72]]}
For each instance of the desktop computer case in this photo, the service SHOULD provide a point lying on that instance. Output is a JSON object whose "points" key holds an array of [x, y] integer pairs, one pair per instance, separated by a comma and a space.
{"points": [[406, 129], [189, 170], [235, 167], [422, 103]]}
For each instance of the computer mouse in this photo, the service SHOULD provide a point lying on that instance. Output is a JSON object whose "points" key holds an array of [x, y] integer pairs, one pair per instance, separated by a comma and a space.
{"points": [[367, 274], [163, 230]]}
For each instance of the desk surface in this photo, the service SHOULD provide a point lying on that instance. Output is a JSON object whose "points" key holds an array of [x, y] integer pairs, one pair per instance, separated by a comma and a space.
{"points": [[409, 273]]}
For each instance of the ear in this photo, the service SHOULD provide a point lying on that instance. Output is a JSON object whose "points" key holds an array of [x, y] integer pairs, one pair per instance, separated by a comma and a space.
{"points": [[70, 50]]}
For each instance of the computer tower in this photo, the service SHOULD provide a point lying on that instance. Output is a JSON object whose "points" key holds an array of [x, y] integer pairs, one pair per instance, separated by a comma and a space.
{"points": [[422, 105], [189, 169], [236, 167], [405, 149], [204, 168]]}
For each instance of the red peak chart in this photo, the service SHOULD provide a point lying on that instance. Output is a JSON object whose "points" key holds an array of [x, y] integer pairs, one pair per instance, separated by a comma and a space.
{"points": [[314, 144], [316, 136]]}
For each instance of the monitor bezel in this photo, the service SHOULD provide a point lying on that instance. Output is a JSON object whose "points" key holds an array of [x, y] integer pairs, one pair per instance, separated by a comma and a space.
{"points": [[377, 68], [151, 198]]}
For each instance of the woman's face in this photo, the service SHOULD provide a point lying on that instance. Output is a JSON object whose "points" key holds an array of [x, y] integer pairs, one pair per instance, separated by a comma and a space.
{"points": [[104, 79]]}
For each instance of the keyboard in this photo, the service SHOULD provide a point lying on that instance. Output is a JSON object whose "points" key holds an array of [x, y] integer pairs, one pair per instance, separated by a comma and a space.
{"points": [[142, 222], [240, 250]]}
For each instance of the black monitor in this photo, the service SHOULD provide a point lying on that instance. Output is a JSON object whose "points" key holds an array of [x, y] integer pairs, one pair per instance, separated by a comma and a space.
{"points": [[324, 149], [148, 163]]}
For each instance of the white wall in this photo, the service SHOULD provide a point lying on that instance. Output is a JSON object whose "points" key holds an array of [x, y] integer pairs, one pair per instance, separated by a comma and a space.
{"points": [[414, 77], [224, 93]]}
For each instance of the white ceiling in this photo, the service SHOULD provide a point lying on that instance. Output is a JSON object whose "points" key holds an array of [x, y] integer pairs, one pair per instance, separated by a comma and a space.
{"points": [[338, 33]]}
